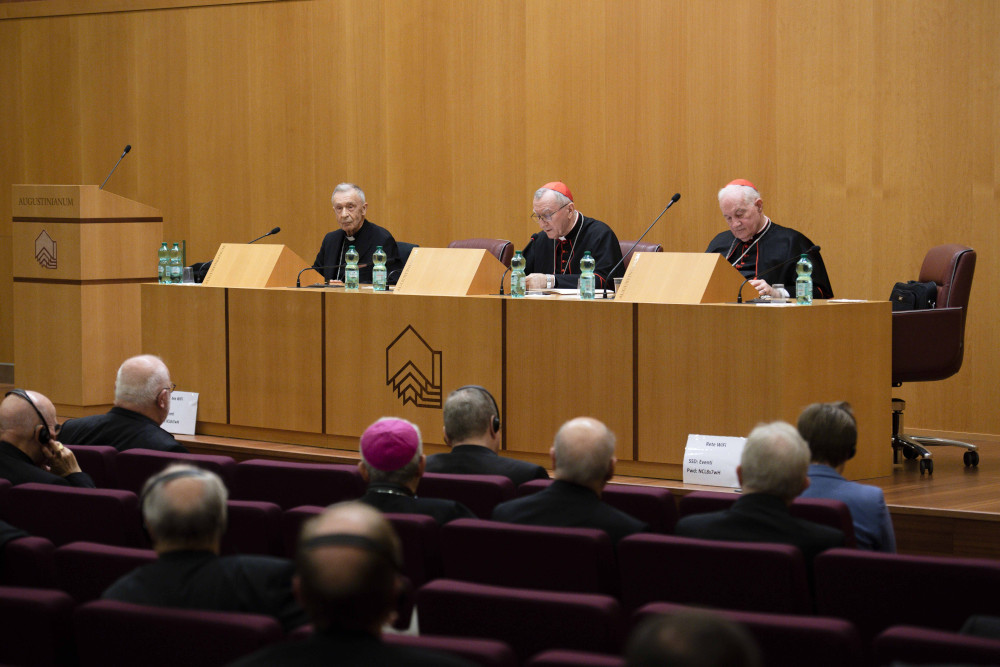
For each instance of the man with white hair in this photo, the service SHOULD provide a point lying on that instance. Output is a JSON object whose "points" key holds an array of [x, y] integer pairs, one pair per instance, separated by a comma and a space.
{"points": [[184, 509], [552, 256], [350, 206], [142, 403], [773, 472], [29, 450], [754, 244], [583, 459]]}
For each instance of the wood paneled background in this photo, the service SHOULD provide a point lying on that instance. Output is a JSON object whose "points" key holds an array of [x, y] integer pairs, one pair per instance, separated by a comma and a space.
{"points": [[870, 125]]}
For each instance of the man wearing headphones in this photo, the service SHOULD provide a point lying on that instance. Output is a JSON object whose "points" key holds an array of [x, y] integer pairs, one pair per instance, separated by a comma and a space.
{"points": [[184, 509], [348, 580], [472, 430], [832, 434], [29, 451]]}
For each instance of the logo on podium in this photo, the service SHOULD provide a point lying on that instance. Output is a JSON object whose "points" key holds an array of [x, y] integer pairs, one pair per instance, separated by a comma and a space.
{"points": [[45, 251], [413, 370]]}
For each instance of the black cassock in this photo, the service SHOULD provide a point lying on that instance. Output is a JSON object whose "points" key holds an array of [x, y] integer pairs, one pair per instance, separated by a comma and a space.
{"points": [[561, 257], [768, 248], [369, 237]]}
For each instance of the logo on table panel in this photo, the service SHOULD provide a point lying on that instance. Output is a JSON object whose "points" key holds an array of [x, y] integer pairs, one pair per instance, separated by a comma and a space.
{"points": [[45, 251], [413, 370]]}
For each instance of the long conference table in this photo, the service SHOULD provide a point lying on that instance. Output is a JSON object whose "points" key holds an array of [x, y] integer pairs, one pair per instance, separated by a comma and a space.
{"points": [[317, 366]]}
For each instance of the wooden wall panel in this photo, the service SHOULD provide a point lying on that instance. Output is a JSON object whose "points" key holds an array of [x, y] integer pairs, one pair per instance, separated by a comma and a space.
{"points": [[868, 125]]}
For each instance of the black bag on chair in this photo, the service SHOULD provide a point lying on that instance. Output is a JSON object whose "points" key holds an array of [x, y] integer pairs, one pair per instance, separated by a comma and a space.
{"points": [[912, 295]]}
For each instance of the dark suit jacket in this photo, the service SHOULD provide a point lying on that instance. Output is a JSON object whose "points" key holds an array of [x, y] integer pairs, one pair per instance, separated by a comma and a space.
{"points": [[478, 460], [340, 648], [18, 468], [761, 517], [369, 237], [119, 428], [395, 499], [569, 505], [202, 580]]}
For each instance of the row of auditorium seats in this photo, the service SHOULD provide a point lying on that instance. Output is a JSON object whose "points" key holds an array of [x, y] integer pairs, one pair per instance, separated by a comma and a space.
{"points": [[490, 626]]}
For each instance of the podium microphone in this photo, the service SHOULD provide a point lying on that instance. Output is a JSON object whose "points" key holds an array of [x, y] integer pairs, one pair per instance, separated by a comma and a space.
{"points": [[739, 295], [673, 200], [298, 278], [128, 147], [273, 231]]}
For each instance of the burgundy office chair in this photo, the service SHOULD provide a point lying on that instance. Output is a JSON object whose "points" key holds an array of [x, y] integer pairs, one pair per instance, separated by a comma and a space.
{"points": [[502, 249], [642, 246], [929, 344]]}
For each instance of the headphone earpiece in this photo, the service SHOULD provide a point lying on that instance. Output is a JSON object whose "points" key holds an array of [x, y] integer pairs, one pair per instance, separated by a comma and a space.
{"points": [[495, 422], [43, 434]]}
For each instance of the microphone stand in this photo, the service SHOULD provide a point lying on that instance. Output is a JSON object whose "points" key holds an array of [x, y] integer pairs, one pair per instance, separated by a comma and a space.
{"points": [[673, 200]]}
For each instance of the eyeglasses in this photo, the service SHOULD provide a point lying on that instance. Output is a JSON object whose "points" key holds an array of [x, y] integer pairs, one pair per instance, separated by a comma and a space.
{"points": [[547, 217], [170, 388]]}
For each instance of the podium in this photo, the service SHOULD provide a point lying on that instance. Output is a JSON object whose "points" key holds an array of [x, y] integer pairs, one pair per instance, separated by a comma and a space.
{"points": [[679, 278], [451, 272], [265, 265], [79, 255]]}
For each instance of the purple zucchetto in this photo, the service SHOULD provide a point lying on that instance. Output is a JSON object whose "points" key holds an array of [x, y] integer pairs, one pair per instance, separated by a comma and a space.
{"points": [[389, 444]]}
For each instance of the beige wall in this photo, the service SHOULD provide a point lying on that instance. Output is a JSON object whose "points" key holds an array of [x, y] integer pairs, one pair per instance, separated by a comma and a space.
{"points": [[870, 126]]}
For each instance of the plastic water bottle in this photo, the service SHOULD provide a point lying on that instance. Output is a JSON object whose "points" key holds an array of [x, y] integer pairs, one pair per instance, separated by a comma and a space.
{"points": [[587, 265], [175, 268], [162, 266], [517, 264], [379, 276], [351, 283], [804, 281]]}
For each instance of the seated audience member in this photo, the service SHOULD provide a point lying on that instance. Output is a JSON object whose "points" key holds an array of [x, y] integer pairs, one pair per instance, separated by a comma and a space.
{"points": [[583, 458], [349, 206], [392, 463], [754, 244], [552, 256], [772, 472], [472, 430], [691, 639], [184, 508], [348, 580], [29, 451], [832, 434], [142, 403]]}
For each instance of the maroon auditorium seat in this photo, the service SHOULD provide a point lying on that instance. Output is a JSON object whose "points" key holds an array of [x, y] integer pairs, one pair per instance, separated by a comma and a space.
{"points": [[730, 575], [66, 514], [567, 658], [577, 560], [86, 569], [109, 632], [253, 527], [906, 644], [652, 504], [480, 493], [98, 461], [483, 652], [289, 484], [36, 627], [29, 561], [135, 466]]}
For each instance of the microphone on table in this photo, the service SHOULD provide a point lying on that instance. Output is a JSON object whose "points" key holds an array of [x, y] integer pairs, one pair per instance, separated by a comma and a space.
{"points": [[673, 200], [128, 147], [739, 295], [298, 278], [273, 231], [507, 270]]}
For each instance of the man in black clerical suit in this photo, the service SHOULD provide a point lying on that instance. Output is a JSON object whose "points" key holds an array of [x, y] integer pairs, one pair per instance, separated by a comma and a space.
{"points": [[755, 245], [392, 463], [348, 579], [583, 457], [184, 508], [29, 451], [553, 255], [349, 205], [773, 472], [142, 403], [472, 430]]}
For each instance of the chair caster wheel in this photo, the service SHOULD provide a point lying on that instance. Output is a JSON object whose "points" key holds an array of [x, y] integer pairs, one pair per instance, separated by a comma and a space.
{"points": [[971, 459], [909, 454], [926, 465]]}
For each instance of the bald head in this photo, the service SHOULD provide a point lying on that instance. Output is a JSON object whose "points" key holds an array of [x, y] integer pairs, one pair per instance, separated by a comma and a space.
{"points": [[348, 583], [20, 424], [143, 386], [775, 460], [184, 507], [584, 453]]}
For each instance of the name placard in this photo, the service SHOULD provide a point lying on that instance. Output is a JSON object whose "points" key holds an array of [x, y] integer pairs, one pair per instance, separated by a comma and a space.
{"points": [[712, 459], [183, 413]]}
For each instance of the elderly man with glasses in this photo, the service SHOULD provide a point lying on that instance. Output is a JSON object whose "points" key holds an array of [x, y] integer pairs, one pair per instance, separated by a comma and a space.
{"points": [[142, 403], [553, 255]]}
